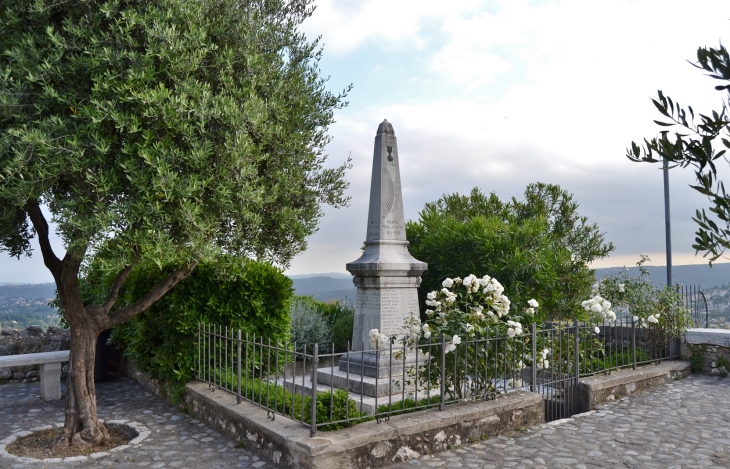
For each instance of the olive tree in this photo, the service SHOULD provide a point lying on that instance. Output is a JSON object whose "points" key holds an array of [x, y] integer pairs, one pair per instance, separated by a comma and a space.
{"points": [[168, 131], [700, 142]]}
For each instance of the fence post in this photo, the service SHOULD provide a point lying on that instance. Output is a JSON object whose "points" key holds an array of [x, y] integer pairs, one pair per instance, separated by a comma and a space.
{"points": [[315, 361], [576, 359], [533, 384], [442, 404], [633, 342], [198, 357], [238, 359]]}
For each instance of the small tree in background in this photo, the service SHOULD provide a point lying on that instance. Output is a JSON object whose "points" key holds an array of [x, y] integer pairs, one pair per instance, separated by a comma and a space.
{"points": [[161, 131], [696, 144], [538, 247]]}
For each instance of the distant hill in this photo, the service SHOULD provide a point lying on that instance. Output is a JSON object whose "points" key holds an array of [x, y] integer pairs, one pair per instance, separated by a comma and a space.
{"points": [[324, 287], [28, 292], [336, 275], [702, 275]]}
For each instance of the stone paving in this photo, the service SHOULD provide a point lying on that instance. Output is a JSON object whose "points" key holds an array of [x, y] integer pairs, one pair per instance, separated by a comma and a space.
{"points": [[680, 425], [176, 440]]}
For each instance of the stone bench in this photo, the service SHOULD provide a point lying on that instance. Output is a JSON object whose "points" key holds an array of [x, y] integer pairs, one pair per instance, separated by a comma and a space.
{"points": [[50, 363]]}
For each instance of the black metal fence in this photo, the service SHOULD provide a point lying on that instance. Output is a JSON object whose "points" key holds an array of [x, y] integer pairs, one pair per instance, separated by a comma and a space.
{"points": [[327, 391], [695, 300]]}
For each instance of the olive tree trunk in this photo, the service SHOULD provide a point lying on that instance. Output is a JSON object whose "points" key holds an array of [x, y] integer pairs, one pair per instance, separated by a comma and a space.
{"points": [[82, 427]]}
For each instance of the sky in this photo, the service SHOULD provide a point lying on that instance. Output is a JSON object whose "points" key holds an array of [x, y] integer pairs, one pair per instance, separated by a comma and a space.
{"points": [[499, 94]]}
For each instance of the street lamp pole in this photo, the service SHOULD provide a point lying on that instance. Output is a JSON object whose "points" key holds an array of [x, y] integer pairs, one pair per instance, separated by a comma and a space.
{"points": [[667, 221]]}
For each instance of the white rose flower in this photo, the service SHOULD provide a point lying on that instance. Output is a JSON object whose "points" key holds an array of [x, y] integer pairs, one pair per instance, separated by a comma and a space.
{"points": [[448, 283], [532, 303], [597, 329], [511, 332], [636, 318], [530, 311], [449, 348], [456, 340], [621, 287], [431, 295]]}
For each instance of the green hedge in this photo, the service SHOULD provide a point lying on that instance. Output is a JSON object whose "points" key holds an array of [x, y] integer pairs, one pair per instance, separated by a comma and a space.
{"points": [[231, 291]]}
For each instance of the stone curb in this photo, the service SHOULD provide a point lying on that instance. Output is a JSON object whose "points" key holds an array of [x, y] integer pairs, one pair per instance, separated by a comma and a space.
{"points": [[142, 433]]}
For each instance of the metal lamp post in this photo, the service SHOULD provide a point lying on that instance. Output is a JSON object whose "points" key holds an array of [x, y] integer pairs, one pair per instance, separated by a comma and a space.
{"points": [[667, 221]]}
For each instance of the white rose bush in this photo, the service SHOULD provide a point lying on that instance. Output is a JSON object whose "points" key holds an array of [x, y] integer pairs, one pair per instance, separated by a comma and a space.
{"points": [[461, 316]]}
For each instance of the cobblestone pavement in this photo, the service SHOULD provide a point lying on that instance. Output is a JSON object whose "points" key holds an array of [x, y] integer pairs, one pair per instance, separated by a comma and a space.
{"points": [[683, 424], [176, 440]]}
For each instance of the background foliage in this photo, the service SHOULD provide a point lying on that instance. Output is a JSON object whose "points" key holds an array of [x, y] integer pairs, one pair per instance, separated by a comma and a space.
{"points": [[327, 323], [637, 296], [538, 247]]}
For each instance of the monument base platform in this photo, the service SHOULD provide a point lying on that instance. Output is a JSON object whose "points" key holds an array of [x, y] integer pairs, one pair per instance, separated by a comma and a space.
{"points": [[380, 364], [368, 401]]}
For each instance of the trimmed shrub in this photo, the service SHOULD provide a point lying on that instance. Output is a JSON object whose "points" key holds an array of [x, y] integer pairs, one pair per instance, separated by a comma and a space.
{"points": [[231, 291]]}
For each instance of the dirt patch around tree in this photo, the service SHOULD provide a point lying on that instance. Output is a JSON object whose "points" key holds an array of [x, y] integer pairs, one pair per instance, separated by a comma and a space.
{"points": [[40, 444]]}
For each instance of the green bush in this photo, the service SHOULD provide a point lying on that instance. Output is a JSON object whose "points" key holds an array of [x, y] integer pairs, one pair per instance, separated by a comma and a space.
{"points": [[232, 292], [537, 248], [308, 324], [330, 406], [696, 362], [328, 323], [342, 324]]}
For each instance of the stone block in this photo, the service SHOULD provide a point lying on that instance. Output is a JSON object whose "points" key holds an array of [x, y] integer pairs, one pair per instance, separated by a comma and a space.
{"points": [[51, 381], [720, 337]]}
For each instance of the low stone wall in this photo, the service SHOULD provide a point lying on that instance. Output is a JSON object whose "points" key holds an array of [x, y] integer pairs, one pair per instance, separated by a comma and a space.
{"points": [[403, 437], [713, 345], [31, 340], [368, 444], [595, 390]]}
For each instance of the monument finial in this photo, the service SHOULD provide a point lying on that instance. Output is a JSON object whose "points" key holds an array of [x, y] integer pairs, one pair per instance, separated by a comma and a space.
{"points": [[385, 127]]}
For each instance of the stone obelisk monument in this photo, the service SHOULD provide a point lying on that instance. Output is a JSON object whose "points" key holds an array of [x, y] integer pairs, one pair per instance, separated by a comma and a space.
{"points": [[386, 275]]}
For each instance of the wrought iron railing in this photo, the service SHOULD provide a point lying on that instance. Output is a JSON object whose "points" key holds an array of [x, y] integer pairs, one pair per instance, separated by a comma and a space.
{"points": [[329, 390], [695, 300]]}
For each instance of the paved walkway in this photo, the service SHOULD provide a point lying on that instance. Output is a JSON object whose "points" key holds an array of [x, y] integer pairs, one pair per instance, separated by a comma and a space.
{"points": [[176, 440], [684, 424]]}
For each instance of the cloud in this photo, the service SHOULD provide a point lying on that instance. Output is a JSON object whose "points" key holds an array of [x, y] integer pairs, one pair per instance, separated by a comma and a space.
{"points": [[498, 94]]}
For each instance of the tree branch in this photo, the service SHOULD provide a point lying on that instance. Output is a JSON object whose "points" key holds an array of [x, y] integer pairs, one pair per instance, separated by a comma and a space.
{"points": [[33, 208], [116, 286], [119, 316]]}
